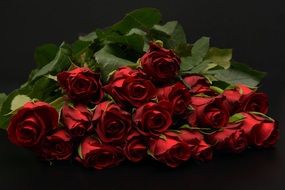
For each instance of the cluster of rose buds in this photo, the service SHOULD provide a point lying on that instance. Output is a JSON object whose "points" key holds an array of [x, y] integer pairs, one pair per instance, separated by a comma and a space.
{"points": [[147, 111]]}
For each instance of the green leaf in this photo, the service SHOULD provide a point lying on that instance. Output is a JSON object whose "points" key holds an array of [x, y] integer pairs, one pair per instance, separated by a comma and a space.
{"points": [[79, 46], [134, 41], [200, 47], [150, 154], [3, 97], [89, 37], [195, 63], [108, 61], [162, 136], [80, 151], [185, 126], [236, 118], [142, 34], [143, 19], [59, 63], [239, 73], [221, 57], [174, 32], [19, 101], [44, 54], [216, 89], [189, 62]]}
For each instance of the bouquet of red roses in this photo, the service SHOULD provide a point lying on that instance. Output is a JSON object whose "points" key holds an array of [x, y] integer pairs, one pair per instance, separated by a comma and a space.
{"points": [[135, 90]]}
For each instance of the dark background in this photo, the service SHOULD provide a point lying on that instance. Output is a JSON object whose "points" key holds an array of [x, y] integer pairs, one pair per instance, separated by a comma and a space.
{"points": [[254, 28]]}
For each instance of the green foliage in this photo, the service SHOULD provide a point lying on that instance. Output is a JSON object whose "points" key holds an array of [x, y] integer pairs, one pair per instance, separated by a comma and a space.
{"points": [[122, 44]]}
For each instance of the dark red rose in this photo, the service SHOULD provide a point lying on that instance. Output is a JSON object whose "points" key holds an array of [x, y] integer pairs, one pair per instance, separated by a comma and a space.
{"points": [[152, 118], [210, 111], [243, 98], [171, 150], [178, 95], [77, 119], [261, 131], [136, 146], [31, 123], [99, 156], [111, 122], [130, 87], [57, 146], [81, 85], [198, 84], [195, 140], [229, 139], [160, 64]]}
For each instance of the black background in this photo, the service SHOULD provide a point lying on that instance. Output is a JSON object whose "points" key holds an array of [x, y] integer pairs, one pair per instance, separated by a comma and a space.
{"points": [[254, 28]]}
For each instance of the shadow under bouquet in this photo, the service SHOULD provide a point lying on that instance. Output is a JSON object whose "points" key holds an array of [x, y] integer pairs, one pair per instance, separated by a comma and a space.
{"points": [[137, 90]]}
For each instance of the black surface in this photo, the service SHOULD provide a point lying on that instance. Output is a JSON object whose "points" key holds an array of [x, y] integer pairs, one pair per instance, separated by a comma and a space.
{"points": [[255, 29]]}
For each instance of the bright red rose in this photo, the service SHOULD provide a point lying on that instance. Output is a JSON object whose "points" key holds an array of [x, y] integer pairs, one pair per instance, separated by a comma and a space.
{"points": [[81, 85], [111, 122], [31, 123], [229, 139], [198, 84], [172, 150], [178, 95], [152, 118], [77, 119], [136, 147], [160, 64], [195, 140], [57, 146], [261, 131], [99, 156], [130, 87], [210, 111], [243, 98]]}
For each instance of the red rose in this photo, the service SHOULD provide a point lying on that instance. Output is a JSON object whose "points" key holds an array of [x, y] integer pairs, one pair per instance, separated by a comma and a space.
{"points": [[178, 95], [136, 147], [195, 140], [31, 124], [111, 122], [243, 98], [57, 146], [198, 84], [210, 111], [81, 85], [172, 150], [152, 118], [160, 64], [229, 139], [261, 131], [77, 119], [130, 87], [99, 156]]}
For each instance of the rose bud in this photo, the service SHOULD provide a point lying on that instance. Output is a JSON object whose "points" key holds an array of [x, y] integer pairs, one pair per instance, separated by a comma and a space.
{"points": [[179, 96], [170, 150], [261, 131], [136, 147], [160, 64], [229, 139], [81, 85], [243, 98], [57, 146], [99, 156], [130, 87], [77, 119], [31, 123], [152, 118], [111, 122], [210, 111], [195, 140], [198, 84]]}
